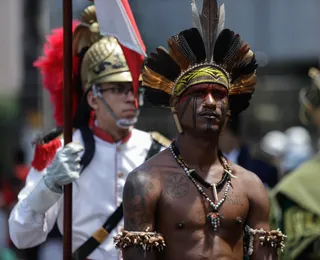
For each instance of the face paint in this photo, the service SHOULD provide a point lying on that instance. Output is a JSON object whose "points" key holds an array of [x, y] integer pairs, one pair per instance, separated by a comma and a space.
{"points": [[199, 112], [209, 125], [194, 114], [185, 106]]}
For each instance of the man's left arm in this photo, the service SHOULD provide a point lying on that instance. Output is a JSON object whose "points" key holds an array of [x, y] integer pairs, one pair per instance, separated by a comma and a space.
{"points": [[258, 222]]}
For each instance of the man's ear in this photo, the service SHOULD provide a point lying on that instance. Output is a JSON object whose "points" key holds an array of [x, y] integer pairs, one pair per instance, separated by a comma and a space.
{"points": [[92, 101]]}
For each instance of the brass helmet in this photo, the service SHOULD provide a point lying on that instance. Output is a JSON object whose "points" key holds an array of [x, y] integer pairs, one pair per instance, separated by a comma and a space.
{"points": [[96, 59], [103, 60]]}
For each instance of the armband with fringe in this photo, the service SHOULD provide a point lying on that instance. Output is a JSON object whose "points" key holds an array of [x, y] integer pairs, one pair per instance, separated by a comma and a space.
{"points": [[272, 238], [147, 240]]}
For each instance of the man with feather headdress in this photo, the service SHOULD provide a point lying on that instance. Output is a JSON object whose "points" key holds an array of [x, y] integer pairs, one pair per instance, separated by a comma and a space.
{"points": [[189, 201], [295, 201], [104, 150]]}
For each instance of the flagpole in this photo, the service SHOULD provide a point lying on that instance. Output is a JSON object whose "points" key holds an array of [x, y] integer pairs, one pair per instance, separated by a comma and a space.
{"points": [[67, 81]]}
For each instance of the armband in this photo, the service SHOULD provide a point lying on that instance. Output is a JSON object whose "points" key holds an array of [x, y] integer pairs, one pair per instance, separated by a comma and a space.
{"points": [[147, 240], [272, 238]]}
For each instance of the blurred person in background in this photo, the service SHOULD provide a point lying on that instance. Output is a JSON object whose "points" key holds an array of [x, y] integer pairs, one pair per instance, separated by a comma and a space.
{"points": [[3, 214], [299, 148], [105, 147], [295, 201], [10, 186], [272, 147], [235, 149], [21, 169]]}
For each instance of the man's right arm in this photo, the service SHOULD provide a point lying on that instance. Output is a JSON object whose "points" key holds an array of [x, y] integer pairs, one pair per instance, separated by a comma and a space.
{"points": [[141, 193], [29, 227], [39, 201]]}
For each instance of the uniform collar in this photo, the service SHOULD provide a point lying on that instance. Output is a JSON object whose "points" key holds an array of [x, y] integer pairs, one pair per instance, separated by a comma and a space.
{"points": [[99, 132]]}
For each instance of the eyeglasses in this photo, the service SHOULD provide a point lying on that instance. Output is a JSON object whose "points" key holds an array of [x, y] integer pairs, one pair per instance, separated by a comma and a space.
{"points": [[119, 90]]}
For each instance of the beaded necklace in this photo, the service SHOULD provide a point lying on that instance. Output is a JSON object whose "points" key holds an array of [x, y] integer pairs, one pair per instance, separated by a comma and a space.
{"points": [[213, 217]]}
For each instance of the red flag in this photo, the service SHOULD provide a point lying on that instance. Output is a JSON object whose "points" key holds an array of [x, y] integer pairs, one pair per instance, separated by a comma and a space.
{"points": [[116, 19]]}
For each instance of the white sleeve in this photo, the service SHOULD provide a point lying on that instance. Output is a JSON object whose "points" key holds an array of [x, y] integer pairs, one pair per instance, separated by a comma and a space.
{"points": [[34, 215]]}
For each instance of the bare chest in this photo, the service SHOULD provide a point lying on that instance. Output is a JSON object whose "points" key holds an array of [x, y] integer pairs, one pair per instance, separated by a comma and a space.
{"points": [[182, 207]]}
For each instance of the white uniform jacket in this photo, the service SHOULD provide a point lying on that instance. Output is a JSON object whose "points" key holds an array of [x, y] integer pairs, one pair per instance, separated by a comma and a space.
{"points": [[96, 195]]}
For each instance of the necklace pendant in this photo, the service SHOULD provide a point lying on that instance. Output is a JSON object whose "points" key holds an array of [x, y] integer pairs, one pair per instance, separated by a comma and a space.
{"points": [[214, 219], [214, 191]]}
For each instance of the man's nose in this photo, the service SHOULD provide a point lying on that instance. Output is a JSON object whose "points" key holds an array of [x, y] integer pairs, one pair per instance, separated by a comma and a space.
{"points": [[130, 96], [210, 101]]}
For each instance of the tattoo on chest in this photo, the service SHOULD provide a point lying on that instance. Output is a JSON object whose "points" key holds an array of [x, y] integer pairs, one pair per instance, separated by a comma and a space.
{"points": [[177, 186], [235, 200]]}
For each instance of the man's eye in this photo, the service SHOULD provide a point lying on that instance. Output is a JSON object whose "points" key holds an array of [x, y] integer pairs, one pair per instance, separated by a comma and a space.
{"points": [[121, 90], [219, 94], [197, 94]]}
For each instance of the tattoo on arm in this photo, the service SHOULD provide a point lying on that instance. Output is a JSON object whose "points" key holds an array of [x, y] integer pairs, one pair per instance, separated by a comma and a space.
{"points": [[139, 204], [137, 196], [235, 199]]}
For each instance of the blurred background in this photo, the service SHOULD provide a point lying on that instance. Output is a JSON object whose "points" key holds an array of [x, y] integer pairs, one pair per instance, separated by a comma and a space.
{"points": [[283, 34]]}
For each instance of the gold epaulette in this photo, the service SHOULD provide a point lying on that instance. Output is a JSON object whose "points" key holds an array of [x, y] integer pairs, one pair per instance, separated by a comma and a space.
{"points": [[161, 139]]}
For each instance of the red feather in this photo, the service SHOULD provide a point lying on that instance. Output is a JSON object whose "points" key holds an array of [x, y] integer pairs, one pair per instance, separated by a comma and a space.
{"points": [[44, 154], [51, 69]]}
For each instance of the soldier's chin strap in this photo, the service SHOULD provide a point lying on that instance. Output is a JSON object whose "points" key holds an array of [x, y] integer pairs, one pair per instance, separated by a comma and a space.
{"points": [[121, 122]]}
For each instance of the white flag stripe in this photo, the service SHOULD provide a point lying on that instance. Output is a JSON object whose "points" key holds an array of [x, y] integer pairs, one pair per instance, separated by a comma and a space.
{"points": [[134, 36], [114, 21]]}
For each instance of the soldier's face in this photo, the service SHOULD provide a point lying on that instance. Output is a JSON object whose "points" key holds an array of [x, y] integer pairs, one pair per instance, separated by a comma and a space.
{"points": [[120, 97]]}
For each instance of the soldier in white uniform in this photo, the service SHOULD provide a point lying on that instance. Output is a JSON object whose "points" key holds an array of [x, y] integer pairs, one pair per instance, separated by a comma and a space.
{"points": [[105, 145]]}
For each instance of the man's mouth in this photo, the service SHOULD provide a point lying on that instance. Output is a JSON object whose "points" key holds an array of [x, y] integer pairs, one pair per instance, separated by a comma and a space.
{"points": [[128, 113], [209, 114]]}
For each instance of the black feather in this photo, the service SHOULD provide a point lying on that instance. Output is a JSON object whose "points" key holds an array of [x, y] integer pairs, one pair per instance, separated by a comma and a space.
{"points": [[162, 63], [239, 103], [244, 69], [223, 45], [157, 97], [195, 42]]}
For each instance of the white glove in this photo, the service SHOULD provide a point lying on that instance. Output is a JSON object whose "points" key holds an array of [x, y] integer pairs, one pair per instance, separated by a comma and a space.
{"points": [[65, 167]]}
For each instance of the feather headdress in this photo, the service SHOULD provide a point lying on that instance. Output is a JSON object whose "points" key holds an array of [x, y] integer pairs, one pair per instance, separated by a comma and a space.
{"points": [[206, 53]]}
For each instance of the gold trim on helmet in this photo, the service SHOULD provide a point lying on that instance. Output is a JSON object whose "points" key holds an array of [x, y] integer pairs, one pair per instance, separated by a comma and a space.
{"points": [[105, 62]]}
